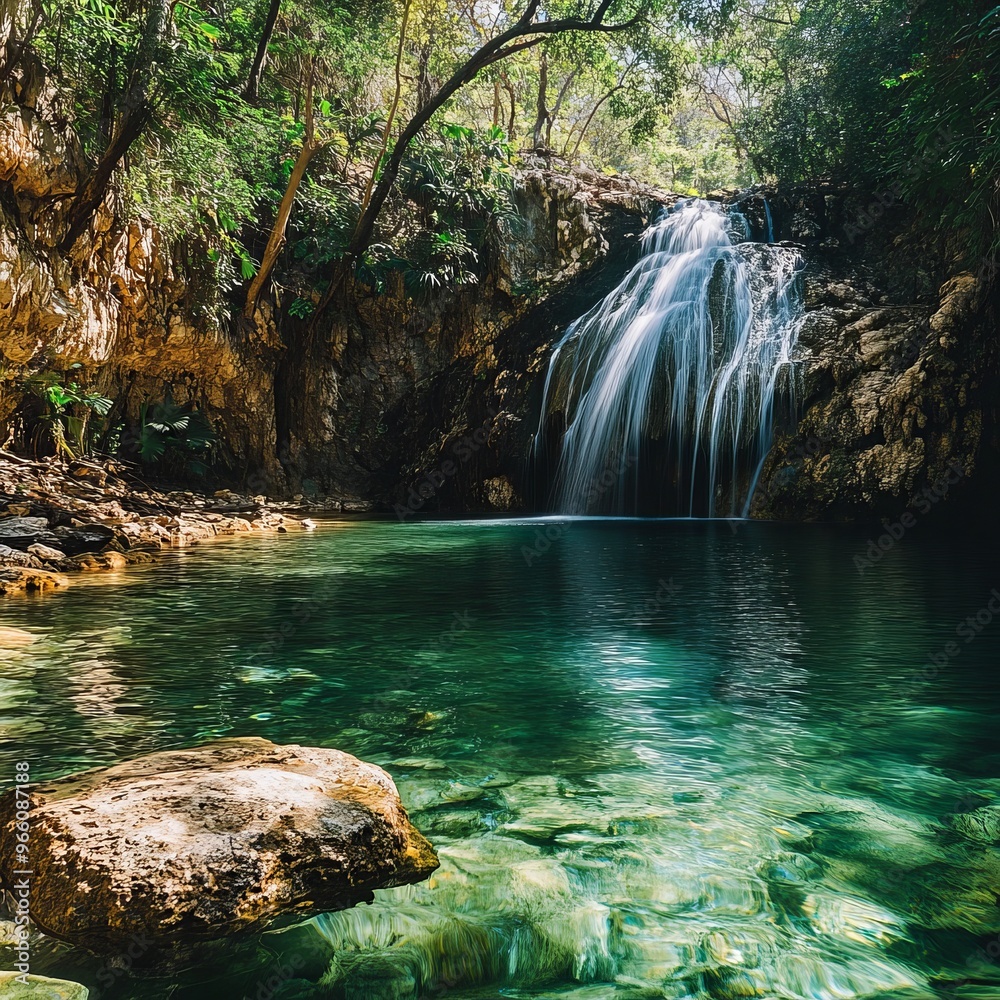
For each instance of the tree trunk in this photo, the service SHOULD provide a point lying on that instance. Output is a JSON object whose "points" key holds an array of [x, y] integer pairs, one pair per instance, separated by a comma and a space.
{"points": [[550, 119], [593, 111], [134, 119], [276, 239], [391, 117], [424, 89], [106, 125], [541, 111], [512, 120], [252, 88]]}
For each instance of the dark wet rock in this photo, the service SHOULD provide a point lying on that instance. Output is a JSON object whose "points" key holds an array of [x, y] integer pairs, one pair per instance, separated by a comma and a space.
{"points": [[198, 844], [89, 538], [20, 532], [896, 414]]}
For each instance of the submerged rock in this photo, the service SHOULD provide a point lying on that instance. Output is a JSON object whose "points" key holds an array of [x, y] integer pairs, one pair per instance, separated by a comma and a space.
{"points": [[14, 637], [982, 826], [39, 988], [202, 843]]}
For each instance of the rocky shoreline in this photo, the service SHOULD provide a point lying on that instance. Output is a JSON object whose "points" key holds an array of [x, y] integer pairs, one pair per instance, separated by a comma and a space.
{"points": [[58, 519]]}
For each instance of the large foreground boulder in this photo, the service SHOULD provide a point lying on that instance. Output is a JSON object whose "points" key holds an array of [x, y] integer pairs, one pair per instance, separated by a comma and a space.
{"points": [[195, 844]]}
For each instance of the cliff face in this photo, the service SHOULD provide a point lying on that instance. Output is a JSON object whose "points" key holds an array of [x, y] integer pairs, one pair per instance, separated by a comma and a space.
{"points": [[124, 306], [358, 408], [897, 375], [431, 406]]}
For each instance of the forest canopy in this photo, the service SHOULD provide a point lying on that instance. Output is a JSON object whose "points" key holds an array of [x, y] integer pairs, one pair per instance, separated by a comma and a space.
{"points": [[276, 138]]}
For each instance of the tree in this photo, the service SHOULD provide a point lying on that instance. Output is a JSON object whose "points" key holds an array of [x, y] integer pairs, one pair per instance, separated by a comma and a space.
{"points": [[523, 33], [252, 88], [310, 146], [136, 110]]}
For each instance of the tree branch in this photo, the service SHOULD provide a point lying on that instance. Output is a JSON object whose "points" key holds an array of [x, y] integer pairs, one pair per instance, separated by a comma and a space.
{"points": [[514, 39]]}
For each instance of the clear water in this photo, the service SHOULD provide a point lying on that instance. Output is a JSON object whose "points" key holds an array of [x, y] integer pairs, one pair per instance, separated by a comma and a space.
{"points": [[661, 399], [658, 759]]}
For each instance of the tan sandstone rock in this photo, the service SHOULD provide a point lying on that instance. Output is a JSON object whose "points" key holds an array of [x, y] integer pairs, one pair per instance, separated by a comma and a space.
{"points": [[97, 561], [15, 579], [202, 843], [39, 988], [46, 552]]}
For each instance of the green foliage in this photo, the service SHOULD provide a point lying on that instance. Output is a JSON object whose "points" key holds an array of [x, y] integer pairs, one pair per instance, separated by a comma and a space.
{"points": [[888, 95], [66, 417], [170, 430], [462, 179], [891, 95], [427, 262], [301, 308], [211, 167], [325, 215], [950, 122]]}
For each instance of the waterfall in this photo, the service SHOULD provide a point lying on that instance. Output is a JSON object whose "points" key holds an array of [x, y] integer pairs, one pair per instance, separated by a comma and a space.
{"points": [[662, 398], [770, 221]]}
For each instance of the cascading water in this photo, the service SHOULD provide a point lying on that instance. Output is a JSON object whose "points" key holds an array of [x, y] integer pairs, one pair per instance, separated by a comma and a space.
{"points": [[770, 221], [662, 398]]}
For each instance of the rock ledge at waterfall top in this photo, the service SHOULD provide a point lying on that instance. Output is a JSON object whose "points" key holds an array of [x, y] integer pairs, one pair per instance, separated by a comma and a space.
{"points": [[197, 844]]}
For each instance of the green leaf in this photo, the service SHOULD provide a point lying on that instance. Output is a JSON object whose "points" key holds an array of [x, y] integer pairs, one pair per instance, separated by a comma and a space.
{"points": [[57, 396], [101, 405], [151, 445]]}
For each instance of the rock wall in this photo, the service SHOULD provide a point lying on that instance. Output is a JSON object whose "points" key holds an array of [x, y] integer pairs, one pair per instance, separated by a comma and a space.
{"points": [[431, 405], [393, 404], [354, 409], [123, 306], [897, 373]]}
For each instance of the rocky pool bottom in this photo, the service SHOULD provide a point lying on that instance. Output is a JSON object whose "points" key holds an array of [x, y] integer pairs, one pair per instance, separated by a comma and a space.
{"points": [[656, 759]]}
